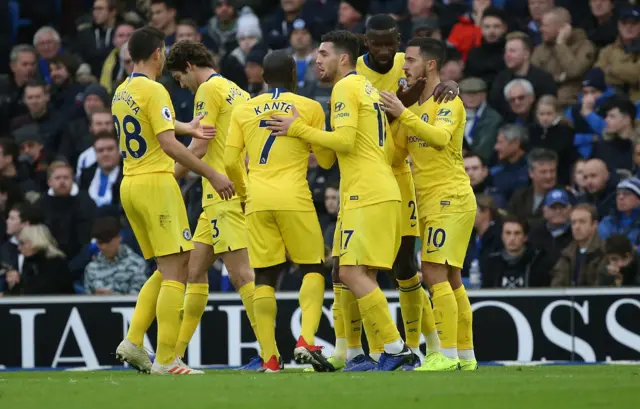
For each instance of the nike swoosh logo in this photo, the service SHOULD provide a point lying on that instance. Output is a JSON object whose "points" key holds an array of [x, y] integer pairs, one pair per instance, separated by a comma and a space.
{"points": [[354, 321], [411, 322], [413, 224], [342, 254], [216, 242], [431, 251]]}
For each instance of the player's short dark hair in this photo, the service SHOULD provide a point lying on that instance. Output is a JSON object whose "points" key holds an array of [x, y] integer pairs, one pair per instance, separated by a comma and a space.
{"points": [[474, 155], [381, 22], [345, 42], [10, 148], [589, 208], [144, 42], [278, 66], [29, 213], [541, 155], [105, 229], [192, 52], [170, 4], [495, 12], [510, 218], [618, 245], [110, 135], [37, 84], [431, 49]]}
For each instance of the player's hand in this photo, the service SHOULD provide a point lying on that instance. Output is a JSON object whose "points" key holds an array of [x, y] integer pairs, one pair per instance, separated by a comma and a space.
{"points": [[201, 131], [446, 91], [392, 103], [280, 124], [409, 95], [222, 185]]}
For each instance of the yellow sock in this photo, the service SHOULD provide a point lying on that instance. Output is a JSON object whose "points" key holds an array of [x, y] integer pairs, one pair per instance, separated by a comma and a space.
{"points": [[376, 346], [375, 309], [145, 311], [411, 306], [352, 319], [195, 301], [445, 312], [311, 297], [246, 294], [265, 309], [428, 325], [336, 309], [169, 313], [465, 319]]}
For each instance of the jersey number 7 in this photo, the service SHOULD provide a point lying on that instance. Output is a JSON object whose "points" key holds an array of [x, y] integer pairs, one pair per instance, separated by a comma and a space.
{"points": [[264, 155]]}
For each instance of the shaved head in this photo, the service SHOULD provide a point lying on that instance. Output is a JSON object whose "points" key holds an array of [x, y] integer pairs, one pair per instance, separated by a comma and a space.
{"points": [[596, 175], [560, 15]]}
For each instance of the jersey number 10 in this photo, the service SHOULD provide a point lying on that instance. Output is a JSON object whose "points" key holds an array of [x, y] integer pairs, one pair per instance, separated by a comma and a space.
{"points": [[132, 129]]}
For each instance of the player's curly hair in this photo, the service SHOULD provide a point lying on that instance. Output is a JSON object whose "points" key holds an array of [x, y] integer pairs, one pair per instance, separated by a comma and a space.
{"points": [[344, 41], [191, 52]]}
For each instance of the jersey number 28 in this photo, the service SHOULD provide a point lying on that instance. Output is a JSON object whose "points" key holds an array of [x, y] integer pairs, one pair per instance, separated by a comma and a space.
{"points": [[131, 128]]}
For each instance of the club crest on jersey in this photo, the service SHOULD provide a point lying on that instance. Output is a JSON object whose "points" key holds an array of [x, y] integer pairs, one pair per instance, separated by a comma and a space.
{"points": [[166, 113], [444, 112], [200, 106], [402, 82], [339, 106], [425, 118], [186, 234]]}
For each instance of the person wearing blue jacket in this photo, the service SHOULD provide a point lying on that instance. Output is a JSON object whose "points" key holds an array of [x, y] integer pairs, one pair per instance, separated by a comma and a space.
{"points": [[625, 220], [587, 116]]}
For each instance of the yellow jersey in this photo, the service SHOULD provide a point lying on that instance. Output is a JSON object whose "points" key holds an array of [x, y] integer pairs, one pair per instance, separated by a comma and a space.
{"points": [[366, 177], [216, 99], [389, 81], [142, 109], [439, 176], [277, 165]]}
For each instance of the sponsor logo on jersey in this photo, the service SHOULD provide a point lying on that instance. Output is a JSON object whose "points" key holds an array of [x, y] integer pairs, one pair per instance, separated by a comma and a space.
{"points": [[444, 112], [199, 105], [186, 234], [339, 106], [166, 113], [425, 118]]}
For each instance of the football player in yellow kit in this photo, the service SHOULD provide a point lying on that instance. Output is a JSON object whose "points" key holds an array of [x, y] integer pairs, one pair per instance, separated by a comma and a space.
{"points": [[432, 134]]}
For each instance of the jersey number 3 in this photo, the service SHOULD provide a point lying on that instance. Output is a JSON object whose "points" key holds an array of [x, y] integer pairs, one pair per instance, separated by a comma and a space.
{"points": [[264, 155], [133, 141]]}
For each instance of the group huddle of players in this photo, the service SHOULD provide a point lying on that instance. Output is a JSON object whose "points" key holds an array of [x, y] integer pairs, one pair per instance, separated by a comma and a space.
{"points": [[385, 107]]}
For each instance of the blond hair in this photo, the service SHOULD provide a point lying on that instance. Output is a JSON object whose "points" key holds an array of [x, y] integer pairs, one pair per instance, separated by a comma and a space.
{"points": [[549, 100], [41, 240]]}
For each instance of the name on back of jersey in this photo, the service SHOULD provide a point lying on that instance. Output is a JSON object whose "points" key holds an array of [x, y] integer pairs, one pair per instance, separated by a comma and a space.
{"points": [[124, 96], [233, 93], [272, 106]]}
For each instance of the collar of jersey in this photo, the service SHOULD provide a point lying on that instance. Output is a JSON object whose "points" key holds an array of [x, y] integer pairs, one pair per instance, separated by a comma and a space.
{"points": [[137, 74], [275, 92], [215, 74], [351, 73]]}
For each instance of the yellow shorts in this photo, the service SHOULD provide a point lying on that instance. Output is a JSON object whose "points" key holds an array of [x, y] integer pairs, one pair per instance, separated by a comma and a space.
{"points": [[223, 226], [409, 226], [335, 251], [155, 209], [369, 235], [275, 233], [445, 237]]}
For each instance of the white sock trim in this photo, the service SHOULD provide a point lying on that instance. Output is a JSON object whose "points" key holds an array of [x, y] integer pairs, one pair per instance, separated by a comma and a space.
{"points": [[354, 352], [395, 347], [467, 354], [451, 353]]}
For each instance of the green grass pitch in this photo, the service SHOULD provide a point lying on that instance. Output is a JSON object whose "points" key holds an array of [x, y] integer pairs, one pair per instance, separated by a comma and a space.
{"points": [[541, 387]]}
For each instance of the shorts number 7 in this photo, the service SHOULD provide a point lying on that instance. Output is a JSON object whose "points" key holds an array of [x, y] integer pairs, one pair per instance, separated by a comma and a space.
{"points": [[348, 233], [264, 155]]}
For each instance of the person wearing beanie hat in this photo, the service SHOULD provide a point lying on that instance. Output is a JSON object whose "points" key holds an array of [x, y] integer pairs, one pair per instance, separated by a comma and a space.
{"points": [[352, 15], [222, 27], [301, 40], [254, 70], [626, 218], [620, 136], [248, 34], [96, 97]]}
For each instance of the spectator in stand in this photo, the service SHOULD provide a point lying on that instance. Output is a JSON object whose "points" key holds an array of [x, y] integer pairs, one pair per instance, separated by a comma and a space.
{"points": [[511, 172], [100, 128], [302, 50], [187, 29], [23, 71], [485, 240], [163, 17], [102, 179], [112, 68], [587, 117], [221, 28], [116, 269], [483, 122], [566, 53], [318, 90], [578, 186], [600, 186], [517, 56], [328, 222], [550, 132], [65, 91], [527, 202], [554, 234], [537, 10], [10, 195], [480, 178], [11, 169], [36, 98], [636, 160], [487, 59], [254, 71], [126, 62], [519, 264], [620, 136], [521, 97], [78, 135], [68, 212], [278, 26], [625, 220], [48, 44], [430, 27], [452, 70], [620, 61], [622, 266], [11, 260], [466, 33], [95, 42], [419, 10], [352, 15], [33, 155], [45, 269], [602, 26], [248, 34], [581, 260]]}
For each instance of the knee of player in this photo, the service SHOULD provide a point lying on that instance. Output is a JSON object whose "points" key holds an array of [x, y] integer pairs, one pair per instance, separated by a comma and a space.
{"points": [[197, 276], [240, 276]]}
